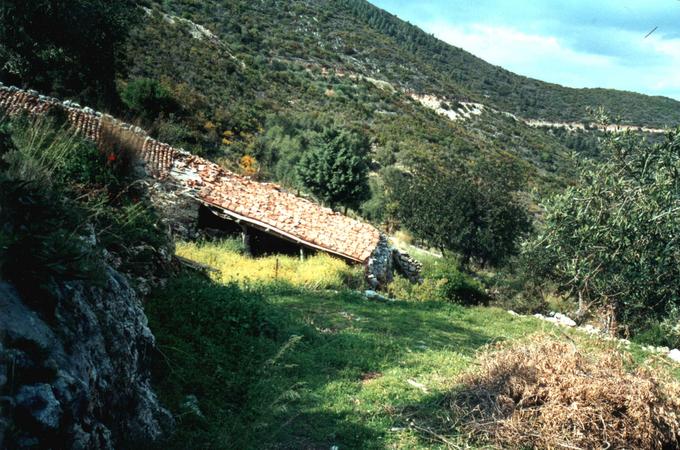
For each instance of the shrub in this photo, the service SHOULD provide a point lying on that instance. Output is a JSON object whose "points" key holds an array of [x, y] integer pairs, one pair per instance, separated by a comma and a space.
{"points": [[443, 281], [148, 98], [472, 212], [120, 150], [61, 198], [41, 238], [41, 227], [665, 332], [42, 151], [335, 169], [545, 393], [454, 285], [611, 240]]}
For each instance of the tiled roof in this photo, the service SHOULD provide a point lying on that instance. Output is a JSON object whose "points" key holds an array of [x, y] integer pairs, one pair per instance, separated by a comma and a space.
{"points": [[264, 205]]}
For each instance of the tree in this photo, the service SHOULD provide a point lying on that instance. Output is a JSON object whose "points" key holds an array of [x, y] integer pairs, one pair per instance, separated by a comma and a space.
{"points": [[613, 240], [472, 212], [67, 48], [335, 168], [148, 98]]}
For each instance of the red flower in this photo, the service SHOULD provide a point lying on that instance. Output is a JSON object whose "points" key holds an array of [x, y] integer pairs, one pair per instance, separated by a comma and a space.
{"points": [[112, 157]]}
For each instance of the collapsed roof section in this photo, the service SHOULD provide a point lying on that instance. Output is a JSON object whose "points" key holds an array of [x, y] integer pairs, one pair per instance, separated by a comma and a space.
{"points": [[262, 205]]}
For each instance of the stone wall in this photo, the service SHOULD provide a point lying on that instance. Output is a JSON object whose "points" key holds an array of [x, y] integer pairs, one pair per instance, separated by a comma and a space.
{"points": [[407, 266], [386, 260], [178, 210]]}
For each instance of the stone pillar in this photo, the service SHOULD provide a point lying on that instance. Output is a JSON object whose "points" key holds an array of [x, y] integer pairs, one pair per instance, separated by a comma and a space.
{"points": [[379, 267]]}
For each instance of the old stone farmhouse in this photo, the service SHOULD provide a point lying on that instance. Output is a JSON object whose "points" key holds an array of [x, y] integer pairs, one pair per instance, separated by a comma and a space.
{"points": [[192, 191]]}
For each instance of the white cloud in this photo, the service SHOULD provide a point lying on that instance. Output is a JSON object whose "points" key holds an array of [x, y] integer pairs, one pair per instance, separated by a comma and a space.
{"points": [[550, 59]]}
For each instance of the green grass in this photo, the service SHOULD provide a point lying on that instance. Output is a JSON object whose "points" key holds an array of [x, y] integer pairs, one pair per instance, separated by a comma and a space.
{"points": [[274, 365], [290, 368]]}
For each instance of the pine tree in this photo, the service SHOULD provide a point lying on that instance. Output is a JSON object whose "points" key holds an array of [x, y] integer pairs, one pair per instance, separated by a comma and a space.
{"points": [[335, 168]]}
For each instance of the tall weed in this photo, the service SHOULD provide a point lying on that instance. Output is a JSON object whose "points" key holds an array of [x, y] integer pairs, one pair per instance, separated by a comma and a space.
{"points": [[320, 271]]}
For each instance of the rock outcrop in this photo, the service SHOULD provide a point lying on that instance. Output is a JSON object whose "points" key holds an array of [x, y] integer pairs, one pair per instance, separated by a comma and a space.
{"points": [[74, 375]]}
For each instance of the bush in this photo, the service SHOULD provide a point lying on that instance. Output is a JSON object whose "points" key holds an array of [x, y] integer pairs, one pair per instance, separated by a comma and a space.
{"points": [[428, 290], [41, 238], [455, 286], [45, 152], [664, 332], [443, 281], [335, 169], [611, 240], [472, 212], [62, 199], [148, 99], [41, 227]]}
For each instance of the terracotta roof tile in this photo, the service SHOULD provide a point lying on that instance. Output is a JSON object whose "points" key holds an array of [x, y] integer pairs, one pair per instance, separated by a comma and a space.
{"points": [[265, 205]]}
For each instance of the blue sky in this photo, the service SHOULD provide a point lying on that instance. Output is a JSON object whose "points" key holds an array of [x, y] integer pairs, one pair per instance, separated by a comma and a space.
{"points": [[578, 43]]}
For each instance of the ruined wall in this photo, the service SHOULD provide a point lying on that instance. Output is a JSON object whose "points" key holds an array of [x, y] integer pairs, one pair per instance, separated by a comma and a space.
{"points": [[386, 260], [177, 210], [407, 266]]}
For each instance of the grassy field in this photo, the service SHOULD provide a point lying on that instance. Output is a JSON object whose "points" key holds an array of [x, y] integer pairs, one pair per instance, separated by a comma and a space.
{"points": [[283, 367]]}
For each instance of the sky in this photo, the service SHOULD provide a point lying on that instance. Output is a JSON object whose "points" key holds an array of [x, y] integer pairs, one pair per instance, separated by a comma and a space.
{"points": [[577, 43]]}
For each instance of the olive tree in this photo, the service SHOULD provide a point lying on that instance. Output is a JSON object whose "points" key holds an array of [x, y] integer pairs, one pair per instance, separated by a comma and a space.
{"points": [[472, 211], [613, 239]]}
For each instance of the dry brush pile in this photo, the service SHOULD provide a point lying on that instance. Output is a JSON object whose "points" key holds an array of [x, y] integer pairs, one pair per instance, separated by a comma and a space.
{"points": [[547, 394]]}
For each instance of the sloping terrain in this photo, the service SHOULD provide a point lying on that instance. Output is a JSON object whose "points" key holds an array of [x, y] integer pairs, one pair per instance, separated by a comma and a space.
{"points": [[270, 365], [249, 103], [357, 36], [253, 77]]}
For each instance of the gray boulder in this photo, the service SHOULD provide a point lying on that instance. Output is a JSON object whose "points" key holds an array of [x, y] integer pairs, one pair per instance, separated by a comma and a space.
{"points": [[77, 376]]}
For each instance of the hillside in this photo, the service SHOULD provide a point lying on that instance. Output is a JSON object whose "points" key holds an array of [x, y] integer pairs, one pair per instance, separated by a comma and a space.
{"points": [[353, 35], [244, 99], [307, 224], [261, 79], [256, 78]]}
